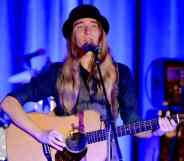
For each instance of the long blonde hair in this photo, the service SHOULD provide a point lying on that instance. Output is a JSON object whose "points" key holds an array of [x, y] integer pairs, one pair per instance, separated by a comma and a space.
{"points": [[68, 82]]}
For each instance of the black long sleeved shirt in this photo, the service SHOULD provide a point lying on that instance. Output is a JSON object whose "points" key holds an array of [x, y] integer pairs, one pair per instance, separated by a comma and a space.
{"points": [[44, 85]]}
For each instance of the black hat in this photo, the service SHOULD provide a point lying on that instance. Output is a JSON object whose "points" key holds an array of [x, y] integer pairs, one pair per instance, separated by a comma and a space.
{"points": [[84, 11]]}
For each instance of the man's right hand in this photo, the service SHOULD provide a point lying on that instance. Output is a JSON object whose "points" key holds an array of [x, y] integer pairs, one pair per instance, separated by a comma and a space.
{"points": [[52, 138]]}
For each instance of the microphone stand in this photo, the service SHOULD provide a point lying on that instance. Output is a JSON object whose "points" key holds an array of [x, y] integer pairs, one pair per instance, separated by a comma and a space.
{"points": [[110, 119]]}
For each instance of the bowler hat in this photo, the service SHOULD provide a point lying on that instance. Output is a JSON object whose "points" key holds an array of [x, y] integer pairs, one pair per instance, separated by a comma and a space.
{"points": [[84, 11]]}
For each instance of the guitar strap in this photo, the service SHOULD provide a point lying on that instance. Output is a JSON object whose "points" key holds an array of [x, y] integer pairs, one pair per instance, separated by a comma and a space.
{"points": [[81, 127], [81, 121], [46, 151]]}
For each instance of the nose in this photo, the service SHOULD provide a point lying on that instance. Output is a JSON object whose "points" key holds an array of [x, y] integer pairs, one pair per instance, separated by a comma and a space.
{"points": [[87, 30]]}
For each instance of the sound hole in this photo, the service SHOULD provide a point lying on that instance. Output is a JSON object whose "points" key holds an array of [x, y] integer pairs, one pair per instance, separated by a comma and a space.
{"points": [[76, 142], [75, 148]]}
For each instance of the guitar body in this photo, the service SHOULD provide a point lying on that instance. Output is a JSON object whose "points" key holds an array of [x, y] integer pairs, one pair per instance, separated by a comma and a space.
{"points": [[21, 146]]}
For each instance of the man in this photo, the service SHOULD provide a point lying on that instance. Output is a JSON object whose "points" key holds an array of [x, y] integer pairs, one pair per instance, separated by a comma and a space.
{"points": [[75, 83]]}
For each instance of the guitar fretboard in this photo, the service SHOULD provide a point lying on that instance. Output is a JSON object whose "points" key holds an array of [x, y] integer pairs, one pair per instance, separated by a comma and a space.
{"points": [[129, 129]]}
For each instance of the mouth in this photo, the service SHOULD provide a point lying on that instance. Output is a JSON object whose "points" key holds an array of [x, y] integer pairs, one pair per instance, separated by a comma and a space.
{"points": [[88, 41]]}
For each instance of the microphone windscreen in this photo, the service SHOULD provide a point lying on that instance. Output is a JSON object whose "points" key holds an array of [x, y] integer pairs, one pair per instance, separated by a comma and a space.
{"points": [[90, 47]]}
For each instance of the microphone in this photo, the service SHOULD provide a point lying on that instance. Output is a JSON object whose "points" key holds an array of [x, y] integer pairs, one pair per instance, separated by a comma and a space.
{"points": [[91, 47], [38, 52]]}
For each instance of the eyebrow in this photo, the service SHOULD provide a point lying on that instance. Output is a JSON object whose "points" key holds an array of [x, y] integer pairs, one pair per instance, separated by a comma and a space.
{"points": [[80, 22]]}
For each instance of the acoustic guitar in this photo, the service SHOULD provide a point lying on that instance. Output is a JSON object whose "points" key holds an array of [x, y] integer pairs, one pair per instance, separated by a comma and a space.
{"points": [[89, 145]]}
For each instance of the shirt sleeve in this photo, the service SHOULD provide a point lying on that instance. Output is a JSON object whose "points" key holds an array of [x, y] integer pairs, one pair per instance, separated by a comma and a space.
{"points": [[41, 86], [126, 96]]}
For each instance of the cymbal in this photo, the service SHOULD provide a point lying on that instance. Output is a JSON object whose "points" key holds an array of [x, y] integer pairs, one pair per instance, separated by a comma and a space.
{"points": [[22, 77]]}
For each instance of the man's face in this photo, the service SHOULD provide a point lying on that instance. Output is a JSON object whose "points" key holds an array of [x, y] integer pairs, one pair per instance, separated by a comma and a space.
{"points": [[86, 30]]}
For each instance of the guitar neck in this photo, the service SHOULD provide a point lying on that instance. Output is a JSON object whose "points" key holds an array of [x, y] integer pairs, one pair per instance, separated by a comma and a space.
{"points": [[128, 129]]}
